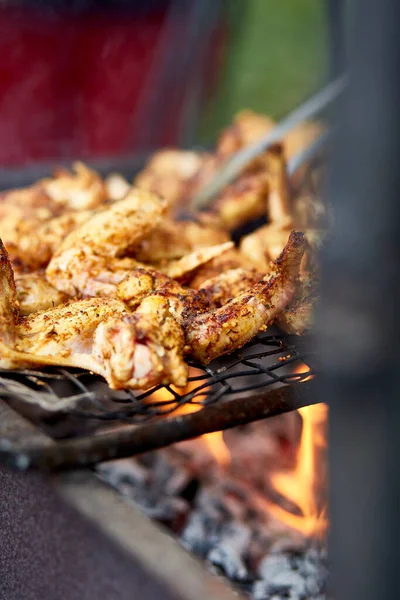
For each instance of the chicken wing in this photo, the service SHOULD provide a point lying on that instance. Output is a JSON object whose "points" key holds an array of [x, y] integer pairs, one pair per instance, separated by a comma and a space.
{"points": [[87, 262], [209, 331], [155, 358], [98, 334], [34, 220], [221, 331]]}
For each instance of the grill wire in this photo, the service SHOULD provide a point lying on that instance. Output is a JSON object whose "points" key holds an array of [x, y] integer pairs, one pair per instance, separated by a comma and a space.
{"points": [[267, 361]]}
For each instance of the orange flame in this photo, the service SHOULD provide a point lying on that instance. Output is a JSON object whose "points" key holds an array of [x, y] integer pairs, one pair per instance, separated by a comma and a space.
{"points": [[300, 486], [214, 441]]}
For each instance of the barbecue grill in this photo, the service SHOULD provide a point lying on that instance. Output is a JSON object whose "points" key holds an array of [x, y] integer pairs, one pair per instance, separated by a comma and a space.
{"points": [[357, 379]]}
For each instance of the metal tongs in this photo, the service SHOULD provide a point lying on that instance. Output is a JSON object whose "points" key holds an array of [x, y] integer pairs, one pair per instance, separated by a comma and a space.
{"points": [[231, 169]]}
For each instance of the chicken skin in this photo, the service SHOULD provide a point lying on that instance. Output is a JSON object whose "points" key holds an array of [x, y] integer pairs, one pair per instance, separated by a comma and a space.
{"points": [[91, 261], [34, 220], [87, 262], [35, 293], [212, 334], [97, 334]]}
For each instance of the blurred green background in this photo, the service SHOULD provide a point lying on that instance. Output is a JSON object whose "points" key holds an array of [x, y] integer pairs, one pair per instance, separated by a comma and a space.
{"points": [[276, 57]]}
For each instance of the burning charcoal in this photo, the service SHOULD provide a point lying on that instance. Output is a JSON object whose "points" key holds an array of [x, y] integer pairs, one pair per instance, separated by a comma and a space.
{"points": [[277, 574], [273, 565], [235, 536], [120, 472], [171, 512], [262, 590], [195, 536], [229, 561]]}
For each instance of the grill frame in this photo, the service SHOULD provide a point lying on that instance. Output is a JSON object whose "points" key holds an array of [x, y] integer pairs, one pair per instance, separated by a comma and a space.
{"points": [[86, 448]]}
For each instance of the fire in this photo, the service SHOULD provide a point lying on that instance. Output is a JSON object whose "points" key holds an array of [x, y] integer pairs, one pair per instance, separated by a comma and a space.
{"points": [[301, 485], [214, 441]]}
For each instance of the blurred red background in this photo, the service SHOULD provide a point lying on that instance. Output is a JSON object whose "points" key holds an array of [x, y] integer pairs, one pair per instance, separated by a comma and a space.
{"points": [[101, 83]]}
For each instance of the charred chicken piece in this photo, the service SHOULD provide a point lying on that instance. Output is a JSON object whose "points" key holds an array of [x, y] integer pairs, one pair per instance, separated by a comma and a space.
{"points": [[213, 334]]}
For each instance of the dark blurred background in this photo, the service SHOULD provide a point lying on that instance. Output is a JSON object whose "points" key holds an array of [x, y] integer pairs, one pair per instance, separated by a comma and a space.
{"points": [[97, 79]]}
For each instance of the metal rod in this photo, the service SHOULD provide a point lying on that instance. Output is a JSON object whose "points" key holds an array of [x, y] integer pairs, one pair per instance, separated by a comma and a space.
{"points": [[87, 451]]}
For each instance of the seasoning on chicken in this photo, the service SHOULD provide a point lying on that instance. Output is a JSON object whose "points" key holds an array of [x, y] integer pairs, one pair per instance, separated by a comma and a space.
{"points": [[155, 357], [184, 267], [227, 285], [212, 334], [243, 200], [98, 334], [232, 259], [35, 293], [173, 239], [81, 189], [298, 317], [169, 173], [90, 260], [87, 262], [34, 220]]}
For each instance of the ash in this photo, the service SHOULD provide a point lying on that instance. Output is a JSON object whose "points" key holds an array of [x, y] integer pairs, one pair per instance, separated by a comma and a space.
{"points": [[220, 514]]}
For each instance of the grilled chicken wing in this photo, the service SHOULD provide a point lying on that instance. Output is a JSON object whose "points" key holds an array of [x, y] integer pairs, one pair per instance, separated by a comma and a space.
{"points": [[212, 334], [248, 127], [98, 334], [9, 307], [34, 220], [155, 358], [209, 331], [87, 262], [35, 293]]}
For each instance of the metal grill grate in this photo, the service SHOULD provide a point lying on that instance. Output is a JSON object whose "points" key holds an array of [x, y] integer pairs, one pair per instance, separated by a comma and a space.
{"points": [[266, 361]]}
